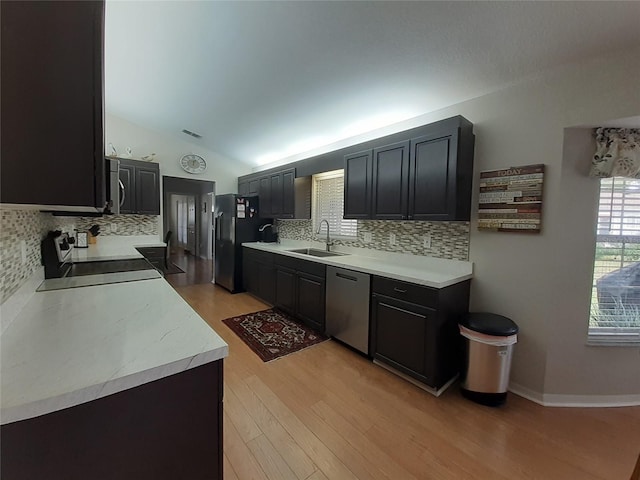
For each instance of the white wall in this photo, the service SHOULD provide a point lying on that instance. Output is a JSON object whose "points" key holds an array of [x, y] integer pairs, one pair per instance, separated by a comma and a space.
{"points": [[168, 149], [543, 281]]}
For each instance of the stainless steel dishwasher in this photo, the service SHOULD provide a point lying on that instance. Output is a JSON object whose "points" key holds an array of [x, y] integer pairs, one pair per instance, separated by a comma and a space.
{"points": [[347, 312]]}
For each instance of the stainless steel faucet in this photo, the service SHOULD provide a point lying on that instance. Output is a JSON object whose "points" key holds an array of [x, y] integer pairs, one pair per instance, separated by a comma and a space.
{"points": [[329, 242]]}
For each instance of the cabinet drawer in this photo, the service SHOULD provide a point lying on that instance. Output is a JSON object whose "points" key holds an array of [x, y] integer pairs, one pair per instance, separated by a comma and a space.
{"points": [[312, 268], [408, 292], [257, 256], [305, 266]]}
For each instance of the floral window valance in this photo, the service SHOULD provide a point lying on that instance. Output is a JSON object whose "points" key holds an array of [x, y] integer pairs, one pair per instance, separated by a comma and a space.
{"points": [[617, 153]]}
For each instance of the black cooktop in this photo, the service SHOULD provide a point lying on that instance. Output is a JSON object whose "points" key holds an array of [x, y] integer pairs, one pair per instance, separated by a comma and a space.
{"points": [[108, 266]]}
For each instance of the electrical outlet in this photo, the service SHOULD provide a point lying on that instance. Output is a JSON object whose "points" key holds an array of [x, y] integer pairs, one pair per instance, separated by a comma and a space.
{"points": [[392, 238], [113, 227], [23, 251], [426, 243], [368, 237]]}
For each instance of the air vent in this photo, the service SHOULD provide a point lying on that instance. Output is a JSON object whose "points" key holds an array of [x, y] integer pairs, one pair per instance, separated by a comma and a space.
{"points": [[192, 134]]}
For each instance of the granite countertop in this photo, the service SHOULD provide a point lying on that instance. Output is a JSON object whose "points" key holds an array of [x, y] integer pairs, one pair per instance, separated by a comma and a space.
{"points": [[427, 271], [68, 347]]}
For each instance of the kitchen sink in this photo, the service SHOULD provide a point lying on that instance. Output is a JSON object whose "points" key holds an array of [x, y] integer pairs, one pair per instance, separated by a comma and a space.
{"points": [[314, 252]]}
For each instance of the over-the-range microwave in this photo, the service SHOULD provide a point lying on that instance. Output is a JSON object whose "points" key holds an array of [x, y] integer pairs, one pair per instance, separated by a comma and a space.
{"points": [[114, 187]]}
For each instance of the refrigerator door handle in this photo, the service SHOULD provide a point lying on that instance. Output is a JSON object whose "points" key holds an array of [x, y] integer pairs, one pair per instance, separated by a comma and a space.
{"points": [[219, 226]]}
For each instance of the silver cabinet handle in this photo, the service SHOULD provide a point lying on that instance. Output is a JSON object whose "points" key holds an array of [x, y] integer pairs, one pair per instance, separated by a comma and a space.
{"points": [[346, 277], [399, 290], [415, 314], [123, 192]]}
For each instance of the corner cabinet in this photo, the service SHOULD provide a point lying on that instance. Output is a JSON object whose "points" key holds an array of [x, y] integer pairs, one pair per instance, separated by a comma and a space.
{"points": [[293, 285], [428, 177], [52, 104], [281, 194], [259, 274], [414, 329], [140, 189]]}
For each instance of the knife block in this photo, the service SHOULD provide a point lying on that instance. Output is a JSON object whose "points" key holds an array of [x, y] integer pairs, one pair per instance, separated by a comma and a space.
{"points": [[91, 239]]}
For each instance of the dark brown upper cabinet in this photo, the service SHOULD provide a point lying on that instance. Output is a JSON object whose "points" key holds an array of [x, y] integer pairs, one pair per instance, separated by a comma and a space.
{"points": [[264, 192], [52, 104], [140, 189], [390, 182], [357, 185], [426, 177], [276, 194], [282, 195]]}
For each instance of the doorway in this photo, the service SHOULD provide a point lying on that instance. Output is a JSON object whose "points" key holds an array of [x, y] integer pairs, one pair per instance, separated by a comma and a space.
{"points": [[188, 214]]}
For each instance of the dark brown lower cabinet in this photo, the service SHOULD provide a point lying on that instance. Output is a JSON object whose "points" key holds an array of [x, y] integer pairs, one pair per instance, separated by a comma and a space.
{"points": [[311, 300], [259, 274], [293, 285], [414, 329], [286, 289], [266, 282], [300, 290], [404, 332], [167, 429]]}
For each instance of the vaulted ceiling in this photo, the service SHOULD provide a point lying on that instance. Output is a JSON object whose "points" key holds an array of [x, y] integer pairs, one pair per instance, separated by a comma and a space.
{"points": [[262, 81]]}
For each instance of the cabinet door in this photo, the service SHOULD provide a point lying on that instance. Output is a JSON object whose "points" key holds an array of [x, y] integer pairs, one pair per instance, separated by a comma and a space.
{"points": [[390, 182], [243, 188], [52, 150], [267, 283], [128, 189], [286, 289], [288, 194], [432, 186], [357, 185], [250, 273], [265, 197], [310, 306], [148, 190], [254, 187], [401, 334], [276, 195]]}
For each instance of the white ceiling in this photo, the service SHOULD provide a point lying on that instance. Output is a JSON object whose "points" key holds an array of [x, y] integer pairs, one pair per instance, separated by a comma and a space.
{"points": [[262, 81]]}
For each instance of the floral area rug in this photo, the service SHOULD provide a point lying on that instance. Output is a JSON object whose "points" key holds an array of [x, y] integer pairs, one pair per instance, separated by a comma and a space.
{"points": [[272, 334]]}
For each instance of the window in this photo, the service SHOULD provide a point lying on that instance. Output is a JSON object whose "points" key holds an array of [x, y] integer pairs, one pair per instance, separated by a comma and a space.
{"points": [[615, 298], [328, 204]]}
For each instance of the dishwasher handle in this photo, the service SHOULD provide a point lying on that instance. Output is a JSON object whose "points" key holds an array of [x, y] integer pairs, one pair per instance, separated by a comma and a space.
{"points": [[346, 277]]}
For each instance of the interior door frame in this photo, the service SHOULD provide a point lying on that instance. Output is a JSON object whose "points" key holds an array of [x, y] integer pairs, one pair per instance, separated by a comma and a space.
{"points": [[187, 186]]}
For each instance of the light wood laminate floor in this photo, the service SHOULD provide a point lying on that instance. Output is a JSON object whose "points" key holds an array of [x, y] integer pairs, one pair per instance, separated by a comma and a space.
{"points": [[328, 413]]}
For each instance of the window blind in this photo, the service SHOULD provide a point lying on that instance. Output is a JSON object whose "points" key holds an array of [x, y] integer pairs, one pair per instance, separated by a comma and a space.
{"points": [[615, 298], [329, 205]]}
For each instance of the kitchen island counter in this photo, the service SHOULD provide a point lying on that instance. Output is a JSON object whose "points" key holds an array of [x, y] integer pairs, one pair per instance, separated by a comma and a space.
{"points": [[68, 347]]}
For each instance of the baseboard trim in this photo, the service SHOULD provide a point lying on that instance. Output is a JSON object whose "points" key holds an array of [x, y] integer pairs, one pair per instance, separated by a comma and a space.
{"points": [[577, 401], [526, 393], [426, 388]]}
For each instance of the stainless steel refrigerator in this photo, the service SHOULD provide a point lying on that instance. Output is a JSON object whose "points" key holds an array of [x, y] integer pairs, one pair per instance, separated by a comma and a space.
{"points": [[236, 222]]}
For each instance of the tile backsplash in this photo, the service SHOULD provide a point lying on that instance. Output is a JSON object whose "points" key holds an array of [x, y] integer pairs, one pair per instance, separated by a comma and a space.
{"points": [[110, 224], [449, 240], [20, 235], [21, 231]]}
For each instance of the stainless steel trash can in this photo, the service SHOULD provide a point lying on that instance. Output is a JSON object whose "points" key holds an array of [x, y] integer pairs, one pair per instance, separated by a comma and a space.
{"points": [[489, 340]]}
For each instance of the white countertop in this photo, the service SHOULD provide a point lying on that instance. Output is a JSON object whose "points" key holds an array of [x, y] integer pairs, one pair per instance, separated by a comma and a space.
{"points": [[115, 247], [428, 271], [67, 347]]}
